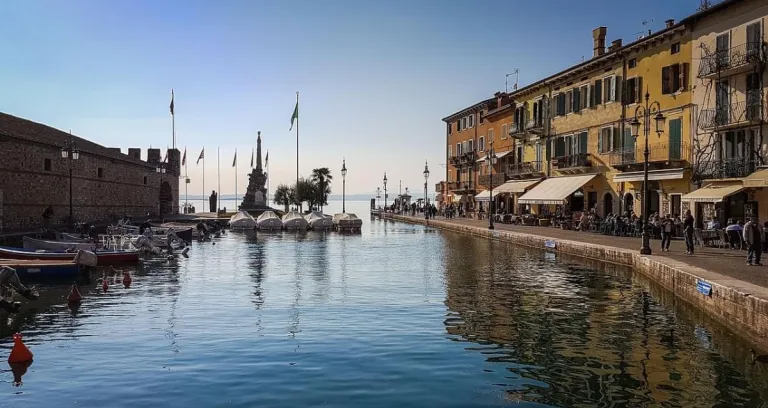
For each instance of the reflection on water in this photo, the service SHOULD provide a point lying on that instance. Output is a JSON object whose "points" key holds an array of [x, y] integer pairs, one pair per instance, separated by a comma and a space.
{"points": [[398, 315]]}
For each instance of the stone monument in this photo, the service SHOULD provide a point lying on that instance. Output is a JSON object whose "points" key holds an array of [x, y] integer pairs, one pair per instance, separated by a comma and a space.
{"points": [[255, 194]]}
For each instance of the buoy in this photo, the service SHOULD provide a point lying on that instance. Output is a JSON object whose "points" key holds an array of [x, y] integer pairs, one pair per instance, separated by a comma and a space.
{"points": [[74, 294], [104, 285], [20, 353], [127, 279]]}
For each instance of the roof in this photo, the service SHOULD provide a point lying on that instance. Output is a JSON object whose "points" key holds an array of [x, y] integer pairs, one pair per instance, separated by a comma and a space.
{"points": [[452, 116], [693, 18], [24, 129]]}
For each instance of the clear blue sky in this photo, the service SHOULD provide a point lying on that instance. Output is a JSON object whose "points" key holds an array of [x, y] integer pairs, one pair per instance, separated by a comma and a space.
{"points": [[375, 77]]}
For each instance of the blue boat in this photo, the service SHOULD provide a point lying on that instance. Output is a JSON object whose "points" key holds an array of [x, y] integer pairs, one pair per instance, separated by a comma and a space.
{"points": [[42, 269]]}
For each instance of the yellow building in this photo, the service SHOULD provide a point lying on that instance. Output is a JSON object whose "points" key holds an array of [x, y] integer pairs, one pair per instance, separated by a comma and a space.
{"points": [[730, 146]]}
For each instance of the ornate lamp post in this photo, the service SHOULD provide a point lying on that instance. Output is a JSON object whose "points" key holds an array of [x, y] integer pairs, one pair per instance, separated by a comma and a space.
{"points": [[645, 112], [490, 159], [343, 185], [426, 180], [160, 169], [69, 151], [385, 191]]}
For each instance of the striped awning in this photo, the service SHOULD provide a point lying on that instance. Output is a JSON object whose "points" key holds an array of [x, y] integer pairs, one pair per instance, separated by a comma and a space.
{"points": [[714, 192], [555, 190]]}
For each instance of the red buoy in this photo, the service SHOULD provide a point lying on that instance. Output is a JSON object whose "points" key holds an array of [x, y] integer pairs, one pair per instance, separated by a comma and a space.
{"points": [[127, 279], [20, 353], [104, 284], [74, 295]]}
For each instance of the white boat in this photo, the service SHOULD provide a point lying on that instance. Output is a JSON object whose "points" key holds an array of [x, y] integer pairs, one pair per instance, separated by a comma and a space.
{"points": [[268, 220], [31, 243], [346, 222], [319, 221], [293, 221], [242, 221]]}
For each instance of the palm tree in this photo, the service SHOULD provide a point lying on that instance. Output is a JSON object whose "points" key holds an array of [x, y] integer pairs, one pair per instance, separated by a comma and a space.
{"points": [[283, 196], [322, 177]]}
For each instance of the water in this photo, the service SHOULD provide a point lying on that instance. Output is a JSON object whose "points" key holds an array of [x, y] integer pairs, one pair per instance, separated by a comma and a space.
{"points": [[398, 316]]}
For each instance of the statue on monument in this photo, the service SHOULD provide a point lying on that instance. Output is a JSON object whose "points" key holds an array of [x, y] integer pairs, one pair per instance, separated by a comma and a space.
{"points": [[255, 194]]}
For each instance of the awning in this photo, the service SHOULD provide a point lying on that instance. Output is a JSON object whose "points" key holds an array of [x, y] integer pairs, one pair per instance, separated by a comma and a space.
{"points": [[714, 193], [653, 175], [555, 190], [498, 155], [757, 179], [485, 195], [516, 186]]}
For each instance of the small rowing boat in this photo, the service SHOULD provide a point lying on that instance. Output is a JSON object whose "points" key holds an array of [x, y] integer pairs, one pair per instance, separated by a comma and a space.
{"points": [[102, 257]]}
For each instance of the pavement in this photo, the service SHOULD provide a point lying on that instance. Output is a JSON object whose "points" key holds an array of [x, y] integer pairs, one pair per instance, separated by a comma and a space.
{"points": [[726, 262]]}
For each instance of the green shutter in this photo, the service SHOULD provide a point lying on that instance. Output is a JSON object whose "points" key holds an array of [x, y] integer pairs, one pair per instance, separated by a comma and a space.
{"points": [[600, 141], [583, 142], [675, 139]]}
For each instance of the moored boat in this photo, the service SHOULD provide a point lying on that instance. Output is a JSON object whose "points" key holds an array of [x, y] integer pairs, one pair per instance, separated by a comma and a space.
{"points": [[242, 221], [319, 221], [268, 220], [102, 257], [32, 243], [293, 221], [347, 222], [42, 268]]}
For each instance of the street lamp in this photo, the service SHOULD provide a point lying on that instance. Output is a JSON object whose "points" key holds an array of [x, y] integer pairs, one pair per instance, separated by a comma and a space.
{"points": [[160, 169], [69, 151], [385, 191], [426, 178], [343, 185], [645, 112], [490, 160]]}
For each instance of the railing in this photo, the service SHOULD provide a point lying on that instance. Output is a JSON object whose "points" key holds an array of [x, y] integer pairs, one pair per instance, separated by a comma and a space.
{"points": [[516, 131], [574, 160], [525, 168], [658, 152], [734, 57], [465, 186], [731, 114], [534, 126], [464, 158], [726, 168]]}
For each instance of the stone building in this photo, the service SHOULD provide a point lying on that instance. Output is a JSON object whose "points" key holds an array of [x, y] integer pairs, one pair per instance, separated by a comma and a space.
{"points": [[106, 184]]}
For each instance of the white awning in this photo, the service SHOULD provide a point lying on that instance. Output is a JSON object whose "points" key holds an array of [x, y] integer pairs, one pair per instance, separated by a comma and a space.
{"points": [[485, 195], [555, 190], [653, 175], [714, 193], [499, 155], [519, 186]]}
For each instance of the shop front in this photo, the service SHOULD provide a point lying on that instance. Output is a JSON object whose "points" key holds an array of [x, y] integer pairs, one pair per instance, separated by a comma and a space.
{"points": [[721, 200], [665, 191], [565, 194]]}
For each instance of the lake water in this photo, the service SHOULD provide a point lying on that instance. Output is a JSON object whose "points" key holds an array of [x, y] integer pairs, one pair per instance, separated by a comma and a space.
{"points": [[397, 316]]}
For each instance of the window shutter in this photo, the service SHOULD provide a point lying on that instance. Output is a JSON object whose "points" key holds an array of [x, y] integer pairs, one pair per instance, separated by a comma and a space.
{"points": [[666, 79], [616, 138], [576, 99], [638, 90], [598, 92], [600, 147], [617, 84], [583, 142], [684, 76]]}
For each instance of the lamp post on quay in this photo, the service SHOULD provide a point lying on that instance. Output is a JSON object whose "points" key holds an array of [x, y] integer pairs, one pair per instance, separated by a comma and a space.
{"points": [[344, 186], [645, 112], [490, 160], [69, 151], [385, 191], [426, 180]]}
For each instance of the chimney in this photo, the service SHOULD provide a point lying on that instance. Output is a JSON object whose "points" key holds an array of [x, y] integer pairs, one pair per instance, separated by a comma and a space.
{"points": [[598, 35], [134, 152], [615, 45], [670, 22]]}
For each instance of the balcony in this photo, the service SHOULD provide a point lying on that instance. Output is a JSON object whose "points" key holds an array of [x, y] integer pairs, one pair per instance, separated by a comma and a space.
{"points": [[735, 60], [660, 155], [462, 187], [534, 126], [726, 168], [524, 170], [516, 131], [439, 187], [573, 162], [498, 179], [731, 115]]}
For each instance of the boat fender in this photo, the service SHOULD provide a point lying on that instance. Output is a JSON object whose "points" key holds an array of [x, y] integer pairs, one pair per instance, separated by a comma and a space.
{"points": [[86, 258], [20, 353]]}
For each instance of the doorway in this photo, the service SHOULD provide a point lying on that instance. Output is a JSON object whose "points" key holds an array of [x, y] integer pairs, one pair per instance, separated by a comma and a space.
{"points": [[629, 203], [607, 204]]}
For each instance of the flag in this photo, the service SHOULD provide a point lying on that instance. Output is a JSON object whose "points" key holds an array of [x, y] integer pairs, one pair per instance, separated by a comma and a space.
{"points": [[251, 158], [165, 159], [202, 156], [234, 161], [266, 159], [184, 158], [171, 101], [295, 115]]}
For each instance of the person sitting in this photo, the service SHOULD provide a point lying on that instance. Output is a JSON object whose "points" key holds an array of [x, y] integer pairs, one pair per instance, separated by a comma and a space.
{"points": [[10, 280], [733, 230]]}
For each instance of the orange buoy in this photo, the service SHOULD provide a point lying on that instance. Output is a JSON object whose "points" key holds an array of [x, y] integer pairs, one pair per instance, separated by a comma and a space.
{"points": [[20, 353], [74, 294]]}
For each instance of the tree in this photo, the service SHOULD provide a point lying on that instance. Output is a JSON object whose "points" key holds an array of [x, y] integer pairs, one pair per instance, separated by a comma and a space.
{"points": [[284, 196], [322, 178], [305, 192]]}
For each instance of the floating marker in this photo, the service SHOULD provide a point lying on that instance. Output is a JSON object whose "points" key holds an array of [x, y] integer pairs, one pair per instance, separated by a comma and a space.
{"points": [[127, 279], [74, 294], [20, 353], [104, 284]]}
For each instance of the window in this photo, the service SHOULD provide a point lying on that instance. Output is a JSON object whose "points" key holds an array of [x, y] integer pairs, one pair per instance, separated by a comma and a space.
{"points": [[568, 102], [458, 149], [145, 180], [609, 89], [482, 117], [481, 144], [458, 125], [463, 123], [634, 91], [721, 49], [754, 41], [584, 94], [560, 104], [450, 151], [464, 148], [609, 140], [674, 78], [632, 63], [598, 93], [472, 120], [47, 164], [100, 172], [490, 133], [675, 48], [753, 96], [471, 145], [449, 128]]}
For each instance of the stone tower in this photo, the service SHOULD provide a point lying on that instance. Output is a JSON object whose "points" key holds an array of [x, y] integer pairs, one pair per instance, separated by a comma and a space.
{"points": [[256, 192]]}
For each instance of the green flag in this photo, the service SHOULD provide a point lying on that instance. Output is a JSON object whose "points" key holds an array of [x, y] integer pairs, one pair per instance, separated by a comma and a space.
{"points": [[295, 115]]}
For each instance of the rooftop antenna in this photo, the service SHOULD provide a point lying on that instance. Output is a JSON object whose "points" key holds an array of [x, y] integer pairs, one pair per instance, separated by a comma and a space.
{"points": [[642, 34], [516, 73], [705, 4]]}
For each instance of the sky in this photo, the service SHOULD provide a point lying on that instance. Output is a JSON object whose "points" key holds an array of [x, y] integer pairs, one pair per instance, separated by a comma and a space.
{"points": [[375, 78]]}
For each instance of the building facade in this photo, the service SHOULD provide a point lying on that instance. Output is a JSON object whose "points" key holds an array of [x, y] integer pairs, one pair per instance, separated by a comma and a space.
{"points": [[106, 184]]}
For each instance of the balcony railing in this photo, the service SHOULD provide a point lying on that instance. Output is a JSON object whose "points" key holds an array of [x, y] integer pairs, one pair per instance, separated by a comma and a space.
{"points": [[464, 159], [522, 169], [439, 186], [726, 168], [658, 152], [534, 126], [464, 186], [732, 114], [732, 58], [516, 131], [572, 161]]}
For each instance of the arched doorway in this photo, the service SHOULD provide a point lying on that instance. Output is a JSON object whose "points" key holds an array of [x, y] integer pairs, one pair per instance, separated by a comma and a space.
{"points": [[166, 198], [607, 204], [629, 203]]}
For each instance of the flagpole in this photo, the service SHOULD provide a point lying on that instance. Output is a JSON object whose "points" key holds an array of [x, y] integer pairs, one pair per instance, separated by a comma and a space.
{"points": [[236, 197], [186, 179], [204, 181], [218, 174], [297, 141], [267, 177], [173, 122]]}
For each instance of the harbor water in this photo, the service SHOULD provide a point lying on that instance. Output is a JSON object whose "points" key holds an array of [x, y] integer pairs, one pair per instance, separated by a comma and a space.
{"points": [[396, 316]]}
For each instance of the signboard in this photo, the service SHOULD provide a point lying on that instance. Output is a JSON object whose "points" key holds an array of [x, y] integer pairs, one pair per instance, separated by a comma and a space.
{"points": [[550, 244], [705, 288]]}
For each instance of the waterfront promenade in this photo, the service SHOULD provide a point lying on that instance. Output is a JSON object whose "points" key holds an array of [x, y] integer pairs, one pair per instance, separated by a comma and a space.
{"points": [[739, 297]]}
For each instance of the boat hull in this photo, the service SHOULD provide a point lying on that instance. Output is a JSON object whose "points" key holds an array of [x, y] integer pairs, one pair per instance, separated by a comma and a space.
{"points": [[34, 244], [103, 257], [42, 269]]}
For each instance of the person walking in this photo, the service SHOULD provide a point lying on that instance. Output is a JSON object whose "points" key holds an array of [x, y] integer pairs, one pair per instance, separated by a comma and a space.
{"points": [[753, 237], [688, 231], [666, 225]]}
